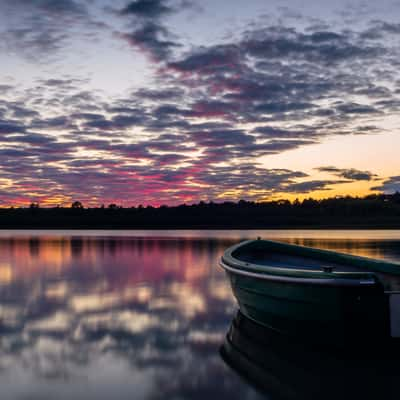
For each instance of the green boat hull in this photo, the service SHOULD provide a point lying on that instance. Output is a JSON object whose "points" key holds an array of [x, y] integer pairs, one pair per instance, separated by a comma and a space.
{"points": [[318, 302], [339, 313]]}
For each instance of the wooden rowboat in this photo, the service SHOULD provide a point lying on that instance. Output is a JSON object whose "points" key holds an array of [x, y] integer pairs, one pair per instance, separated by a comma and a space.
{"points": [[314, 293]]}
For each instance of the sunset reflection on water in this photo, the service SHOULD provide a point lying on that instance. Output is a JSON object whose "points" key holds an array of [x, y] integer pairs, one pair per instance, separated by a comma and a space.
{"points": [[84, 316]]}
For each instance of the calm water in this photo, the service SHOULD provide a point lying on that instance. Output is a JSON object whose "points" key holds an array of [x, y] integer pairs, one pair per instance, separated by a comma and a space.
{"points": [[130, 315]]}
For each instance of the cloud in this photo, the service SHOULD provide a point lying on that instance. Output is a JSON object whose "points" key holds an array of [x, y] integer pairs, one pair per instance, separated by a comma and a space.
{"points": [[327, 47], [150, 35], [379, 29], [280, 74], [157, 95], [310, 186], [33, 139], [152, 39], [147, 8], [355, 108], [389, 186], [281, 133], [62, 84], [5, 88], [209, 60], [56, 8], [11, 127], [349, 173], [38, 29], [281, 107]]}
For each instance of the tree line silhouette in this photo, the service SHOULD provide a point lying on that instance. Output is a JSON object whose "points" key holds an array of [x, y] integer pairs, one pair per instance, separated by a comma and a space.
{"points": [[373, 211]]}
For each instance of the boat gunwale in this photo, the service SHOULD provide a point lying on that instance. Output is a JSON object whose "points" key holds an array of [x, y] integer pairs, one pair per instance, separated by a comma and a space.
{"points": [[341, 258], [326, 281]]}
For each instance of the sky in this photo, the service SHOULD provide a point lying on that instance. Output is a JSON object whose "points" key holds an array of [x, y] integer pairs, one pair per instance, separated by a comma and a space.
{"points": [[178, 101]]}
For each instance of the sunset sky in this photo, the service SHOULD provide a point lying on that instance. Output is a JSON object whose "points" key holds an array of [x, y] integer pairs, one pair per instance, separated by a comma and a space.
{"points": [[173, 101]]}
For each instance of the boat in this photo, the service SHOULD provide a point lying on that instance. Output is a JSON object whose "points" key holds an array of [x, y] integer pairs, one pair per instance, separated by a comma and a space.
{"points": [[284, 369], [315, 294]]}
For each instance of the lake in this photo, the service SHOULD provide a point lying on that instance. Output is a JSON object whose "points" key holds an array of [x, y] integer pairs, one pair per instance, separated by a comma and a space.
{"points": [[132, 314]]}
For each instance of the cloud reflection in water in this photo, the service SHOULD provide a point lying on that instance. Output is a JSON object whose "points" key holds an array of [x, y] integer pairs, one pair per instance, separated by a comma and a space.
{"points": [[86, 317]]}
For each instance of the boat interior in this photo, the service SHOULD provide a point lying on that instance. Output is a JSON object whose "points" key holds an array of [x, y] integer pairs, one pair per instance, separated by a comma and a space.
{"points": [[281, 260], [273, 254]]}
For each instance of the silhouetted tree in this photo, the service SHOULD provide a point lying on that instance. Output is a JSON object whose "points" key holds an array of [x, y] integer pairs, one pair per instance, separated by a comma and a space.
{"points": [[77, 205]]}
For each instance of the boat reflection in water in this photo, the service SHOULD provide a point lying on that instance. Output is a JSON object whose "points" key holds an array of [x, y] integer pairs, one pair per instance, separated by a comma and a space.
{"points": [[282, 368]]}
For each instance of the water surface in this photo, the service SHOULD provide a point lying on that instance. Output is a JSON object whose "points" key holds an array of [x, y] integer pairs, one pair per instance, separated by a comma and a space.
{"points": [[132, 314]]}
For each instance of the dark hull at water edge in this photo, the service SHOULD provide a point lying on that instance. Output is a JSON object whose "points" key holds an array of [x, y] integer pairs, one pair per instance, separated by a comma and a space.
{"points": [[336, 314], [319, 304]]}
